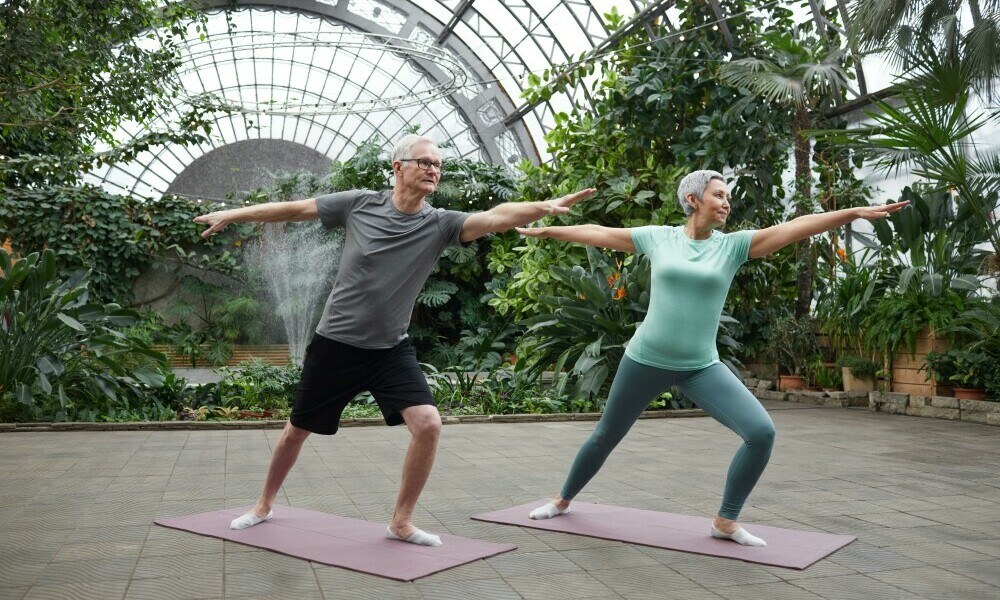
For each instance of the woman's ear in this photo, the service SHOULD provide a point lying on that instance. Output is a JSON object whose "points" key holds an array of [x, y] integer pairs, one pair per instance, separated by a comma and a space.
{"points": [[692, 201]]}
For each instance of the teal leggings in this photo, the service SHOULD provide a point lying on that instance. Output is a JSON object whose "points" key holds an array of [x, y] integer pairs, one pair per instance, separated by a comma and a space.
{"points": [[715, 390]]}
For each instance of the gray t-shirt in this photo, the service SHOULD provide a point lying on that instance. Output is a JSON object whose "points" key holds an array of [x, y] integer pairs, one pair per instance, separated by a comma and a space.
{"points": [[387, 258]]}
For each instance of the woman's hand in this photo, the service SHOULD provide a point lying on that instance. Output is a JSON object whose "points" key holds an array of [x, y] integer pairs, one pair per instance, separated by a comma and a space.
{"points": [[873, 213], [535, 232]]}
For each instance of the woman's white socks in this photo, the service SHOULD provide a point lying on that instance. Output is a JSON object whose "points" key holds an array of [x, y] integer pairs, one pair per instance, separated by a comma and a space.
{"points": [[249, 519], [740, 536], [419, 537], [548, 511]]}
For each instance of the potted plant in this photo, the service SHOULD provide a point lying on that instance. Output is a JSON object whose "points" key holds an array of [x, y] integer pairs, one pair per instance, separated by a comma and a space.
{"points": [[970, 368], [827, 379], [858, 373], [793, 345]]}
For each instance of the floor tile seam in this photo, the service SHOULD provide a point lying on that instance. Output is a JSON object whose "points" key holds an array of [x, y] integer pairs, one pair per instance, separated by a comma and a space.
{"points": [[333, 477], [966, 574], [135, 567], [868, 577], [77, 527]]}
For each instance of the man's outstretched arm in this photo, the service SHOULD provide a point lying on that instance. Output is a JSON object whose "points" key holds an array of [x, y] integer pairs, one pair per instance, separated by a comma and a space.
{"points": [[515, 214], [270, 212]]}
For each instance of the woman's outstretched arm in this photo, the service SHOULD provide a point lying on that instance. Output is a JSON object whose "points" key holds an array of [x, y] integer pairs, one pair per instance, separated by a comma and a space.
{"points": [[777, 237], [614, 238]]}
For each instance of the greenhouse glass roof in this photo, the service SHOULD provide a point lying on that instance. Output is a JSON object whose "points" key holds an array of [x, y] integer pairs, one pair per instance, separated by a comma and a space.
{"points": [[316, 78]]}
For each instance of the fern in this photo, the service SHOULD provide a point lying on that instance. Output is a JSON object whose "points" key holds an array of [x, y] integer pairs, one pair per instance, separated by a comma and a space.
{"points": [[437, 293]]}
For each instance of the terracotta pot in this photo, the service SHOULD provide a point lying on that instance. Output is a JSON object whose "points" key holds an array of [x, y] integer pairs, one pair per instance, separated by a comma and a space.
{"points": [[970, 394], [791, 382]]}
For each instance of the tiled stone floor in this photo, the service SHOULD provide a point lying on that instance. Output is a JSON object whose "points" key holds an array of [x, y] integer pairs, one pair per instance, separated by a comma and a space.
{"points": [[921, 495]]}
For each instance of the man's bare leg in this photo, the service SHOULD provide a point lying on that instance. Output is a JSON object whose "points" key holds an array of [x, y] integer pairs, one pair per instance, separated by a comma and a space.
{"points": [[424, 424], [285, 453]]}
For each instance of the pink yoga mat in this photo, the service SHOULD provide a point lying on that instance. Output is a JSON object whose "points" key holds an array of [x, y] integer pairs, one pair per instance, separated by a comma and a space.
{"points": [[339, 541], [785, 547]]}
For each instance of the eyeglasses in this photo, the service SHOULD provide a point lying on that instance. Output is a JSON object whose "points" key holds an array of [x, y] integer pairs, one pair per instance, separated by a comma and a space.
{"points": [[425, 163]]}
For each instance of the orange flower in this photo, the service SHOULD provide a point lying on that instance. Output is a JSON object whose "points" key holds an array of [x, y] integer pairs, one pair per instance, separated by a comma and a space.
{"points": [[842, 254], [612, 280], [619, 294]]}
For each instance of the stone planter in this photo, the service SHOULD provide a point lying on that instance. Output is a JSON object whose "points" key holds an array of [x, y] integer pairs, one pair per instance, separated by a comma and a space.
{"points": [[856, 384]]}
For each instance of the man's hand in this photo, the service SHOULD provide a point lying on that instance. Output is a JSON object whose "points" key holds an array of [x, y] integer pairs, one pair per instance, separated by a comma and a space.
{"points": [[216, 222], [561, 206]]}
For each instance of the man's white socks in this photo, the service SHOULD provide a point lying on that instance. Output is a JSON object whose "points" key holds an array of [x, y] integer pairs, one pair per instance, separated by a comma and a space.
{"points": [[740, 536], [419, 537], [249, 519], [548, 511]]}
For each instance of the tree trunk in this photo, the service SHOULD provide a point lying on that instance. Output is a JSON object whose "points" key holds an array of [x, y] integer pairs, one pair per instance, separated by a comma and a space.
{"points": [[803, 206]]}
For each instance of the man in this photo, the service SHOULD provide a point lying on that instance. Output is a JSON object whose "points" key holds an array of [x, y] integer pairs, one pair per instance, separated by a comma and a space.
{"points": [[393, 239]]}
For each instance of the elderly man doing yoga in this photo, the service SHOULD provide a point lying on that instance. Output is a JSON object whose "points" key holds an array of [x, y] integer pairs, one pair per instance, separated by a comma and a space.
{"points": [[692, 269], [393, 239]]}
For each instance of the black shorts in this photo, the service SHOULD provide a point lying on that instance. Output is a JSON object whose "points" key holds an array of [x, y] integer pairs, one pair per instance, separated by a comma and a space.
{"points": [[334, 373]]}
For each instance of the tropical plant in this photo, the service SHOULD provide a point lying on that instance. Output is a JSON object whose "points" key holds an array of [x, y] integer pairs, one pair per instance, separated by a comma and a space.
{"points": [[256, 385], [72, 71], [656, 111], [807, 76], [895, 322], [827, 378], [63, 356], [964, 368], [861, 367], [929, 132], [978, 330], [907, 27], [844, 304], [793, 343], [587, 329]]}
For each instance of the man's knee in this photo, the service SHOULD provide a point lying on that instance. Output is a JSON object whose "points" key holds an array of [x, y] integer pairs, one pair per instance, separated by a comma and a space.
{"points": [[424, 421], [295, 435]]}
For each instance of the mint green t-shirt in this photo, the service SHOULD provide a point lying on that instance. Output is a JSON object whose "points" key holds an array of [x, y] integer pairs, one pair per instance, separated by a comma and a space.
{"points": [[689, 283]]}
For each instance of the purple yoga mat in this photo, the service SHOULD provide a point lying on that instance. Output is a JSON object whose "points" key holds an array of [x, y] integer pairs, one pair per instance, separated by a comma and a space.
{"points": [[785, 547], [339, 541]]}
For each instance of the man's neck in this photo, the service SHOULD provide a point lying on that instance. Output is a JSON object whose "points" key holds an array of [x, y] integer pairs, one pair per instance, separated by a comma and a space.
{"points": [[407, 201]]}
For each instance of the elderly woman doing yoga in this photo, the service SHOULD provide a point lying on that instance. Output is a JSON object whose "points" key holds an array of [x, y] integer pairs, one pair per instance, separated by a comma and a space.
{"points": [[692, 269]]}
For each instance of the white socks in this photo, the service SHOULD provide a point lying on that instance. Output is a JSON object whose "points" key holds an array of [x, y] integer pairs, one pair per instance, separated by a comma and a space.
{"points": [[740, 536], [547, 512], [249, 519], [419, 537]]}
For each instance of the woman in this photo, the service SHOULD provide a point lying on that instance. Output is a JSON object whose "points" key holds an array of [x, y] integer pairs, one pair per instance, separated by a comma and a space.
{"points": [[692, 269]]}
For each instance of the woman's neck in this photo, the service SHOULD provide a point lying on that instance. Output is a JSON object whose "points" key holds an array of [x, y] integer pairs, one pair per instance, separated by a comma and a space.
{"points": [[695, 229]]}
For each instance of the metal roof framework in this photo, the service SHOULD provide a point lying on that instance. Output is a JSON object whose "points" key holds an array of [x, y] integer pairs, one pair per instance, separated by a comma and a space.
{"points": [[497, 44]]}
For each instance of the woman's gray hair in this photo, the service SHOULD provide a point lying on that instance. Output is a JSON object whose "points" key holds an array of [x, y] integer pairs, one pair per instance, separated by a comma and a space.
{"points": [[405, 145], [695, 183]]}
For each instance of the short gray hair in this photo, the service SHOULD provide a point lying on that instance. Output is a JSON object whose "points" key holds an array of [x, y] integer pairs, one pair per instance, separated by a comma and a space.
{"points": [[695, 183], [405, 145]]}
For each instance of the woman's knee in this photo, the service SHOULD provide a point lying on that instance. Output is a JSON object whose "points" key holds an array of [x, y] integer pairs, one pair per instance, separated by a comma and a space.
{"points": [[761, 435]]}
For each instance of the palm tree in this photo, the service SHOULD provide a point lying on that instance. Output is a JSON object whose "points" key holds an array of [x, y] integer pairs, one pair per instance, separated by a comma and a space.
{"points": [[905, 27], [929, 132], [804, 75]]}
